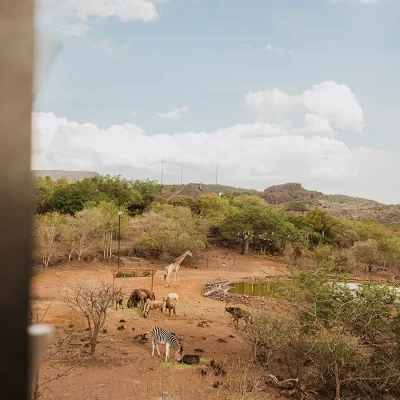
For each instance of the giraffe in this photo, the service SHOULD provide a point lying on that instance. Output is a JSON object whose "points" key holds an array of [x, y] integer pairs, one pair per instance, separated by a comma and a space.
{"points": [[174, 267]]}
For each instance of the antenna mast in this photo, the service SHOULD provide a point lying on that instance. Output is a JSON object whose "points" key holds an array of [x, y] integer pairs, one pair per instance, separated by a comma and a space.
{"points": [[182, 171], [216, 170], [162, 170]]}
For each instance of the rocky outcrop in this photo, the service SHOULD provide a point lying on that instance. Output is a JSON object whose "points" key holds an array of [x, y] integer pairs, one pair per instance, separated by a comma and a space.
{"points": [[289, 192]]}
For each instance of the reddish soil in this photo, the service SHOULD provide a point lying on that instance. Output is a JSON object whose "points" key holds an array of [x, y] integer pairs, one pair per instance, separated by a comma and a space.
{"points": [[123, 368]]}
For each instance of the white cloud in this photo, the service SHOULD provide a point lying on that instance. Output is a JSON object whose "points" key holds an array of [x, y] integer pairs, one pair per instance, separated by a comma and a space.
{"points": [[315, 125], [79, 11], [247, 152], [124, 10], [334, 102], [133, 113], [175, 114], [250, 155]]}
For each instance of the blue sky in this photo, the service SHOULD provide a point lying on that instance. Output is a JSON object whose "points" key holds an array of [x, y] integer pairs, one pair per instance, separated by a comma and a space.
{"points": [[203, 57]]}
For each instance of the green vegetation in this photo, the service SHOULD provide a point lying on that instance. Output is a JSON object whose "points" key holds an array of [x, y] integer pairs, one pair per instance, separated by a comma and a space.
{"points": [[69, 198], [126, 274], [82, 216], [168, 231], [338, 341]]}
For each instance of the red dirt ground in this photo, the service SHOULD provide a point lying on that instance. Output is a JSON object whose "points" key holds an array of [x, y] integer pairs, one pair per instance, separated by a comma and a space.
{"points": [[123, 369]]}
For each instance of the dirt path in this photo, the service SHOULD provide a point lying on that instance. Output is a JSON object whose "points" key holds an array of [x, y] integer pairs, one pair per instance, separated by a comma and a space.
{"points": [[123, 368]]}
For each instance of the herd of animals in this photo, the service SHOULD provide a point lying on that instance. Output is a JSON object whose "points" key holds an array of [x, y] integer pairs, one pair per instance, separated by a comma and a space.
{"points": [[146, 300]]}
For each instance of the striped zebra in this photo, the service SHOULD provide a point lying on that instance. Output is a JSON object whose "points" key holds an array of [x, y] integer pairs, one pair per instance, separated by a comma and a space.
{"points": [[162, 336]]}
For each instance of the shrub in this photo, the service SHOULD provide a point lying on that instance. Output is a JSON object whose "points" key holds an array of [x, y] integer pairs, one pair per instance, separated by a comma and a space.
{"points": [[366, 253], [342, 263], [169, 231], [332, 338]]}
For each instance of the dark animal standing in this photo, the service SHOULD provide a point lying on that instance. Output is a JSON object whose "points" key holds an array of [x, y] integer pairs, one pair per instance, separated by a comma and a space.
{"points": [[137, 297], [238, 313], [150, 294]]}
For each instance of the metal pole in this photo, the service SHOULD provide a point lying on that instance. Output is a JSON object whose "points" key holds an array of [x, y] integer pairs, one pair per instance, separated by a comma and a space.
{"points": [[216, 171], [119, 235], [182, 171]]}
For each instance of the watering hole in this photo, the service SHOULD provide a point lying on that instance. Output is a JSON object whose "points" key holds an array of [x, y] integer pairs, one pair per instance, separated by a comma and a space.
{"points": [[274, 287], [260, 288]]}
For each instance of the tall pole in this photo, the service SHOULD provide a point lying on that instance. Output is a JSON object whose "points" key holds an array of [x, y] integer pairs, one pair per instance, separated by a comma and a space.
{"points": [[119, 234], [216, 171], [182, 171], [162, 169]]}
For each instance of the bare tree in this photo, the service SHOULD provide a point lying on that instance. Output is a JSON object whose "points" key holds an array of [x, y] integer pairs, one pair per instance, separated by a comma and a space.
{"points": [[47, 230], [92, 303], [84, 224], [68, 235]]}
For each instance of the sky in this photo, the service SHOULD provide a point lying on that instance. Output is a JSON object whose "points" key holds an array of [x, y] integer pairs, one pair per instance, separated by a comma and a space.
{"points": [[281, 91]]}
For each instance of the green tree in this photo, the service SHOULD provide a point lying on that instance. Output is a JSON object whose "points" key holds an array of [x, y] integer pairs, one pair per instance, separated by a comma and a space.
{"points": [[148, 189], [244, 201], [366, 253], [254, 221], [43, 189], [181, 201], [213, 208], [169, 231], [389, 249], [321, 221]]}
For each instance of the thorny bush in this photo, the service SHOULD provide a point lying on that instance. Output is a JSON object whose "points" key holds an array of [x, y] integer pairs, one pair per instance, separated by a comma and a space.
{"points": [[332, 339]]}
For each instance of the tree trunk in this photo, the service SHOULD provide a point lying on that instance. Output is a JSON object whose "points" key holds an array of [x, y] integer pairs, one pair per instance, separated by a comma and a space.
{"points": [[337, 381], [245, 246], [93, 344]]}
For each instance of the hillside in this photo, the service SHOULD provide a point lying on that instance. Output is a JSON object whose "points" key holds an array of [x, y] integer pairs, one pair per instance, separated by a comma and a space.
{"points": [[293, 194], [289, 192], [70, 175], [170, 189]]}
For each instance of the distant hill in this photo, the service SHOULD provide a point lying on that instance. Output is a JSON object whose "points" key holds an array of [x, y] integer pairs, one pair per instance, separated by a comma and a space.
{"points": [[290, 192], [70, 175], [292, 195], [171, 189]]}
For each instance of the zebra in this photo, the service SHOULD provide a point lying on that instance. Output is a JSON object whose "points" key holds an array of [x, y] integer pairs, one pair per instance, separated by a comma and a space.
{"points": [[162, 336]]}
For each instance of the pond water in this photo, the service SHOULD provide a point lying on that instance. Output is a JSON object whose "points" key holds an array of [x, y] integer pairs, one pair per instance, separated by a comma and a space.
{"points": [[259, 288], [272, 288]]}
